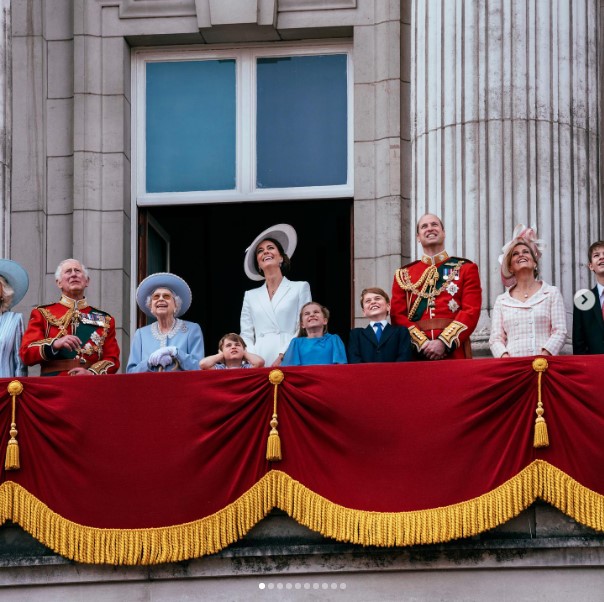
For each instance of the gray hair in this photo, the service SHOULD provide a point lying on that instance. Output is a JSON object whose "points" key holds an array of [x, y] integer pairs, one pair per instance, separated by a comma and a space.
{"points": [[8, 293], [59, 269], [177, 299]]}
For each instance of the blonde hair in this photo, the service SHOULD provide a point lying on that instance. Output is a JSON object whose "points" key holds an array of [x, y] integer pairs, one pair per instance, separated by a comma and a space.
{"points": [[8, 294], [524, 242]]}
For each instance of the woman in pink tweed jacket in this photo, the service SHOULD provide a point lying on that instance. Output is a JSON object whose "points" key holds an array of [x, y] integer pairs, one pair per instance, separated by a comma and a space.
{"points": [[529, 318]]}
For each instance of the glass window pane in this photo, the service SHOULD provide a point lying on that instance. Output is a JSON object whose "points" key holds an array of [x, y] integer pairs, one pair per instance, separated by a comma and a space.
{"points": [[302, 121], [191, 125]]}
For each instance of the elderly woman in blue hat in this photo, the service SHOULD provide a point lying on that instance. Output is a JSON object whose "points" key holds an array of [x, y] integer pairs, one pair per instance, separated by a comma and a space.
{"points": [[269, 316], [169, 343], [14, 283]]}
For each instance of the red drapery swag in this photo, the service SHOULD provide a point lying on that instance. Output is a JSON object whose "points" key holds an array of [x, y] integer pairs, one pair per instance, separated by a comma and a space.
{"points": [[148, 468]]}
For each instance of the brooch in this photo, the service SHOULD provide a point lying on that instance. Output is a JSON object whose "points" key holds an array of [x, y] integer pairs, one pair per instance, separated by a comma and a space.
{"points": [[453, 305]]}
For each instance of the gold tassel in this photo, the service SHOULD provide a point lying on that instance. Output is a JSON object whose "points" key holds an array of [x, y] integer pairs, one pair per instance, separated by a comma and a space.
{"points": [[273, 445], [541, 438], [12, 450]]}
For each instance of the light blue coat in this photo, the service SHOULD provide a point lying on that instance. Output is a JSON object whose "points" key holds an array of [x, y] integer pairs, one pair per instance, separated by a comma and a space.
{"points": [[185, 336], [11, 332]]}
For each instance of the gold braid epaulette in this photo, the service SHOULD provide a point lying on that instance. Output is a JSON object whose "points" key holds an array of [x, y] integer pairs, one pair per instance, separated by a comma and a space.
{"points": [[427, 281], [61, 323]]}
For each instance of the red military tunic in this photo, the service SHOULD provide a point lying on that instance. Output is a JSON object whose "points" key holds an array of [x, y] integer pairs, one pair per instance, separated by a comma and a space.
{"points": [[99, 352], [438, 298]]}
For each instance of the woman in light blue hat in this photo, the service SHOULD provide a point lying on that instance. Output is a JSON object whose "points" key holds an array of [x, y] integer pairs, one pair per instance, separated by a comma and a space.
{"points": [[14, 283], [170, 343]]}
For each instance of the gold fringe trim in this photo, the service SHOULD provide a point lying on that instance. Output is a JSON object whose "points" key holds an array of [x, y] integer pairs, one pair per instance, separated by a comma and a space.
{"points": [[277, 489], [437, 525], [137, 546]]}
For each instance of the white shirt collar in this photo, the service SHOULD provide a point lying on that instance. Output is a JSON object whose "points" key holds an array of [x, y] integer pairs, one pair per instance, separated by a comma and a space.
{"points": [[382, 322], [600, 289]]}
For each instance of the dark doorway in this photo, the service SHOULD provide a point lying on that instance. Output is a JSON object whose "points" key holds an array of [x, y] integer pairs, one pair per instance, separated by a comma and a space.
{"points": [[207, 244]]}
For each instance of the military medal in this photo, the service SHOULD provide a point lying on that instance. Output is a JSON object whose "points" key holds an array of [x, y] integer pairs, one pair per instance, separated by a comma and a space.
{"points": [[452, 288]]}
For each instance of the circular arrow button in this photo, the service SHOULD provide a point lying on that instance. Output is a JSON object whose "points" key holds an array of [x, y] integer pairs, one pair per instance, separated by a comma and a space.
{"points": [[584, 299]]}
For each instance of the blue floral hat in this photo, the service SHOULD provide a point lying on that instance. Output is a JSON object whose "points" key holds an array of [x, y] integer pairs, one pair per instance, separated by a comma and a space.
{"points": [[163, 280]]}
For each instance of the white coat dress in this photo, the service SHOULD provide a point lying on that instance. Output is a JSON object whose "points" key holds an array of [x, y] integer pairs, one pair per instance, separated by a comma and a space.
{"points": [[267, 326]]}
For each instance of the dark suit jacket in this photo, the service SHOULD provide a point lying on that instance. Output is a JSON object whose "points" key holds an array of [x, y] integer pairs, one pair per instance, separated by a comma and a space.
{"points": [[394, 345], [588, 329]]}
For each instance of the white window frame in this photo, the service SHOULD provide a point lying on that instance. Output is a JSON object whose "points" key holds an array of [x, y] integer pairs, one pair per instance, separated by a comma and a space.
{"points": [[245, 149]]}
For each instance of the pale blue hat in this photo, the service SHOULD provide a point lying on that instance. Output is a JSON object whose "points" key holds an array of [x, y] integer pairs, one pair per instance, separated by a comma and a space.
{"points": [[163, 280], [17, 278]]}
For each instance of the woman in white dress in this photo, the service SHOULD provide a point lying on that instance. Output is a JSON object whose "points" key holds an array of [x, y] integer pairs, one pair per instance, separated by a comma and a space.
{"points": [[269, 316], [14, 283], [529, 318]]}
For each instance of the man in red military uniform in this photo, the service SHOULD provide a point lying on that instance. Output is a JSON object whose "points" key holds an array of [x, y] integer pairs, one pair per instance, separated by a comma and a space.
{"points": [[438, 297], [70, 337]]}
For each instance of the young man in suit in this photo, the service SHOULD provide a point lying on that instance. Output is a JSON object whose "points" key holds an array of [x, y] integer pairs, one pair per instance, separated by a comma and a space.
{"points": [[379, 341], [588, 326]]}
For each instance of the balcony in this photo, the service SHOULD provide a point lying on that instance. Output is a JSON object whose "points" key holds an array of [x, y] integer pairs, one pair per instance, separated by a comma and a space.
{"points": [[387, 473]]}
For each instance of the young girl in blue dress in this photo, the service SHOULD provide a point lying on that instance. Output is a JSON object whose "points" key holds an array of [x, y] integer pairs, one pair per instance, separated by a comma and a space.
{"points": [[314, 345]]}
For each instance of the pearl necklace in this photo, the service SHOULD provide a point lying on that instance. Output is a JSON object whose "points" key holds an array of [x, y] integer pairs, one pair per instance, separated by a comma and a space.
{"points": [[163, 337]]}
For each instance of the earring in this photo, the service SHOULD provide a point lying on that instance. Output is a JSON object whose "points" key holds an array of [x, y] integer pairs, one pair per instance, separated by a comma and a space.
{"points": [[280, 263]]}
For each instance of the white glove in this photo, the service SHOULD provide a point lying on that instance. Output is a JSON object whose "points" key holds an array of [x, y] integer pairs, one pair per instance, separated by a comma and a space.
{"points": [[165, 360], [161, 357]]}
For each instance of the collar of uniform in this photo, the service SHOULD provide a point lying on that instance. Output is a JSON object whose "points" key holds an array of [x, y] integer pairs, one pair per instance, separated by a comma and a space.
{"points": [[72, 303], [438, 258]]}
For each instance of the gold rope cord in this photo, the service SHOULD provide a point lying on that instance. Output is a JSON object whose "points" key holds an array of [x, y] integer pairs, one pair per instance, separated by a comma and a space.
{"points": [[541, 438], [273, 444], [277, 489], [11, 461]]}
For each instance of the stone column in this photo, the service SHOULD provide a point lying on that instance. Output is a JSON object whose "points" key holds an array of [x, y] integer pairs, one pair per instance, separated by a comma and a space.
{"points": [[505, 120], [5, 124], [381, 88]]}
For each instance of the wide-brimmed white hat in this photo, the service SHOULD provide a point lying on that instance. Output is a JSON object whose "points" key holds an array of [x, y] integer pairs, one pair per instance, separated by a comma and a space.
{"points": [[17, 278], [163, 280], [283, 233]]}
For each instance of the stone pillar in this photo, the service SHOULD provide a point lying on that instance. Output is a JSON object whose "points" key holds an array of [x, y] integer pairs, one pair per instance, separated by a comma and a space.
{"points": [[5, 124], [101, 172], [505, 119], [380, 88]]}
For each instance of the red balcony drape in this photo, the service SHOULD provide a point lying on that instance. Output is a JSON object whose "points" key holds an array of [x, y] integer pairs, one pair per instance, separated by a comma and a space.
{"points": [[151, 468]]}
